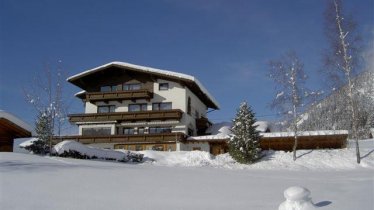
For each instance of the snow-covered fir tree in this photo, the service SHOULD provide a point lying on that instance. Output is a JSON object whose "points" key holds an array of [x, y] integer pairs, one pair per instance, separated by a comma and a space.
{"points": [[244, 145], [44, 132]]}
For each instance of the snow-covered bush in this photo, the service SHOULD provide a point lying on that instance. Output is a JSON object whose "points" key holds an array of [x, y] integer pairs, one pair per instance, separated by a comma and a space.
{"points": [[38, 147], [77, 150]]}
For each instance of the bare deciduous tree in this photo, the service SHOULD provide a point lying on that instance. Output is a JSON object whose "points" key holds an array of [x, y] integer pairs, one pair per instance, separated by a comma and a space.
{"points": [[45, 94], [342, 58], [289, 77]]}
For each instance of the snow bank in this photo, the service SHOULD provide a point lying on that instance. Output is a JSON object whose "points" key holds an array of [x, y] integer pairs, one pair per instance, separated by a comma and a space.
{"points": [[28, 142], [67, 146], [339, 159]]}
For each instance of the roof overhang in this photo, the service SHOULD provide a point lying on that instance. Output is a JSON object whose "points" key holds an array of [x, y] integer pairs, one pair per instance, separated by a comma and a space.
{"points": [[190, 81]]}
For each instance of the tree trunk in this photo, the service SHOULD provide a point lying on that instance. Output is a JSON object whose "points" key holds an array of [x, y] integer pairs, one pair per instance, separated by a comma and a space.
{"points": [[295, 132]]}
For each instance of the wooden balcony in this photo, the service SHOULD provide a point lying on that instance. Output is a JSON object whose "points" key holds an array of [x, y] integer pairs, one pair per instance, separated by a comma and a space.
{"points": [[173, 114], [118, 95], [125, 139]]}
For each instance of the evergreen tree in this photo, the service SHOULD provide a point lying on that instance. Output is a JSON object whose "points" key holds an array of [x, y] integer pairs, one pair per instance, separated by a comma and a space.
{"points": [[245, 142], [43, 129]]}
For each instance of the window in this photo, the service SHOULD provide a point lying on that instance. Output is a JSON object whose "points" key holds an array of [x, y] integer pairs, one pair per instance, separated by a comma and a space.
{"points": [[96, 131], [190, 132], [108, 88], [162, 106], [128, 131], [135, 86], [158, 147], [189, 106], [138, 147], [137, 107], [196, 148], [106, 109], [153, 130], [141, 130], [163, 86]]}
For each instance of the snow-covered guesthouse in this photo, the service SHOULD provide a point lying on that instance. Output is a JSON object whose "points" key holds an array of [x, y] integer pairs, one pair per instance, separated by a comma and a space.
{"points": [[135, 107], [11, 127]]}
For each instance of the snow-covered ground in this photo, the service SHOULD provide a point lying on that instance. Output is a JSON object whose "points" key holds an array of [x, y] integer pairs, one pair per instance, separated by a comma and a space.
{"points": [[187, 180]]}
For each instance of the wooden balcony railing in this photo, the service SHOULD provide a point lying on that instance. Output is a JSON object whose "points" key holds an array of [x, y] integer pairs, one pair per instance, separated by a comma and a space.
{"points": [[173, 114], [119, 95], [144, 138]]}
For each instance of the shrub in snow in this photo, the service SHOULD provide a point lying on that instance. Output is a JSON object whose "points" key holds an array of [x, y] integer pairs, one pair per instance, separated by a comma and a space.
{"points": [[38, 147], [297, 198], [77, 150], [245, 142]]}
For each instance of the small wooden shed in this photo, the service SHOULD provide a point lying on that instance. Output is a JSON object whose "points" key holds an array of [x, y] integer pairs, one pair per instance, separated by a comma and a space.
{"points": [[11, 127]]}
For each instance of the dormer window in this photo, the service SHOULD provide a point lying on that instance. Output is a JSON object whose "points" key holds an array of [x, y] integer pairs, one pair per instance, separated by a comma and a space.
{"points": [[163, 86], [134, 86], [108, 88]]}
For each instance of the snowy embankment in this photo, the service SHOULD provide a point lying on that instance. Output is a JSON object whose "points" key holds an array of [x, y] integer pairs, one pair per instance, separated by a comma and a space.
{"points": [[338, 159]]}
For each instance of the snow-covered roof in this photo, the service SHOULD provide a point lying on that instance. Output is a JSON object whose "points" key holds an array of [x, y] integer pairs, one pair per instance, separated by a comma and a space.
{"points": [[15, 120], [150, 70], [262, 126], [306, 133], [80, 93], [208, 137]]}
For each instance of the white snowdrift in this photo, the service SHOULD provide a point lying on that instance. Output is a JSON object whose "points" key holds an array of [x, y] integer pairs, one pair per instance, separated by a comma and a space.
{"points": [[28, 142], [340, 159], [65, 146]]}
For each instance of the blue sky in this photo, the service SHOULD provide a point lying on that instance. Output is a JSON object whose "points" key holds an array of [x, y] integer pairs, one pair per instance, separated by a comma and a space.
{"points": [[225, 44]]}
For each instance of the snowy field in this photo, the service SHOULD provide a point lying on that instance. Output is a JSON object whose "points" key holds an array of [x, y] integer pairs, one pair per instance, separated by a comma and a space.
{"points": [[187, 180]]}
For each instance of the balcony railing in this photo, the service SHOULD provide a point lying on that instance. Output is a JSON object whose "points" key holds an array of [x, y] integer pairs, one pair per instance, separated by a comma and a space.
{"points": [[173, 114], [119, 95], [124, 139]]}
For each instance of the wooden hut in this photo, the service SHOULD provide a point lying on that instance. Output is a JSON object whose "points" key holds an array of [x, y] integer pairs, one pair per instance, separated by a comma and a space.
{"points": [[11, 127]]}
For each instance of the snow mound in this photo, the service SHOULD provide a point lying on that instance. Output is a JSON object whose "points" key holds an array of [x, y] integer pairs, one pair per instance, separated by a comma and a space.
{"points": [[28, 142], [321, 160], [66, 146], [297, 198], [296, 193]]}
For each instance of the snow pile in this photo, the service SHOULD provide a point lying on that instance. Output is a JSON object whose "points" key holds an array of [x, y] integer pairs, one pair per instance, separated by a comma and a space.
{"points": [[221, 131], [223, 128], [339, 159], [297, 198], [28, 142], [262, 126], [67, 146]]}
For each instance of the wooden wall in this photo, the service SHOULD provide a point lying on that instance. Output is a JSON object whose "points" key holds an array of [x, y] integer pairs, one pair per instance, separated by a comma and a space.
{"points": [[304, 142]]}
